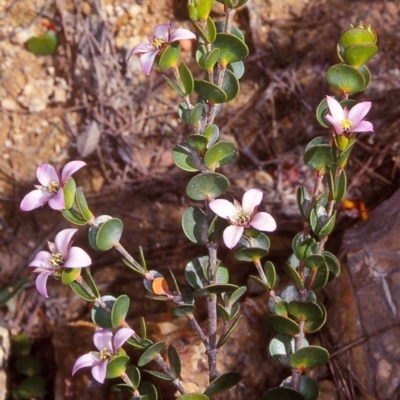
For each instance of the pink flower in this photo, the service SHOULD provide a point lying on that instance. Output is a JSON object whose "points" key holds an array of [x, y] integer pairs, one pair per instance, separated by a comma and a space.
{"points": [[344, 120], [108, 346], [51, 186], [61, 255], [160, 38], [242, 216]]}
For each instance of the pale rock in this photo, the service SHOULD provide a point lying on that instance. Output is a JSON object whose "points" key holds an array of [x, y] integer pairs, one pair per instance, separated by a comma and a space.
{"points": [[35, 95]]}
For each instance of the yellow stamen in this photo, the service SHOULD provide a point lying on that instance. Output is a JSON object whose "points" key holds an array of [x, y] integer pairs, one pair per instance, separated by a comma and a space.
{"points": [[57, 260], [53, 187], [105, 353], [158, 42], [346, 125]]}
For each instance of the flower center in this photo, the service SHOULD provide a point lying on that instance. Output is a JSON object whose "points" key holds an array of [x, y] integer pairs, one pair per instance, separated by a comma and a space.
{"points": [[241, 219], [346, 125], [57, 260], [105, 353], [158, 42], [53, 187]]}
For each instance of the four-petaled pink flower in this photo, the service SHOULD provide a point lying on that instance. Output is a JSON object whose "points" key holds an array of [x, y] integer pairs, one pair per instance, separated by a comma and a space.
{"points": [[108, 346], [348, 121], [242, 216], [51, 188], [161, 37], [61, 255]]}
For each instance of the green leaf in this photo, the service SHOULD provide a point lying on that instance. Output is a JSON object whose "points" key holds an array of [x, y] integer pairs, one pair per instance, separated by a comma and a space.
{"points": [[237, 68], [194, 272], [270, 274], [32, 387], [309, 388], [321, 277], [212, 134], [28, 365], [207, 186], [93, 230], [341, 187], [209, 91], [359, 55], [294, 275], [119, 311], [109, 234], [193, 396], [134, 376], [236, 295], [232, 48], [314, 325], [186, 78], [196, 114], [194, 225], [282, 325], [82, 205], [346, 78], [42, 45], [204, 8], [327, 229], [211, 30], [174, 361], [77, 288], [319, 157], [303, 202], [199, 143], [215, 289], [220, 26], [99, 315], [70, 275], [309, 357], [174, 86], [117, 366], [74, 216], [224, 338], [222, 383], [314, 261], [170, 56], [184, 113], [357, 36], [222, 153], [148, 391], [185, 157], [282, 347], [69, 190], [333, 265], [304, 311], [230, 85], [211, 59], [150, 353], [283, 393], [10, 290], [159, 375], [183, 311]]}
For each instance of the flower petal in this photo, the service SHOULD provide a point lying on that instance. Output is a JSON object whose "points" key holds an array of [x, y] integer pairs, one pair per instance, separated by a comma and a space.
{"points": [[140, 49], [63, 240], [87, 360], [41, 283], [41, 260], [358, 112], [121, 337], [335, 109], [99, 371], [162, 31], [47, 173], [336, 125], [70, 168], [35, 199], [263, 222], [223, 208], [77, 258], [182, 34], [363, 126], [102, 339], [251, 199], [57, 201], [147, 60], [232, 235]]}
